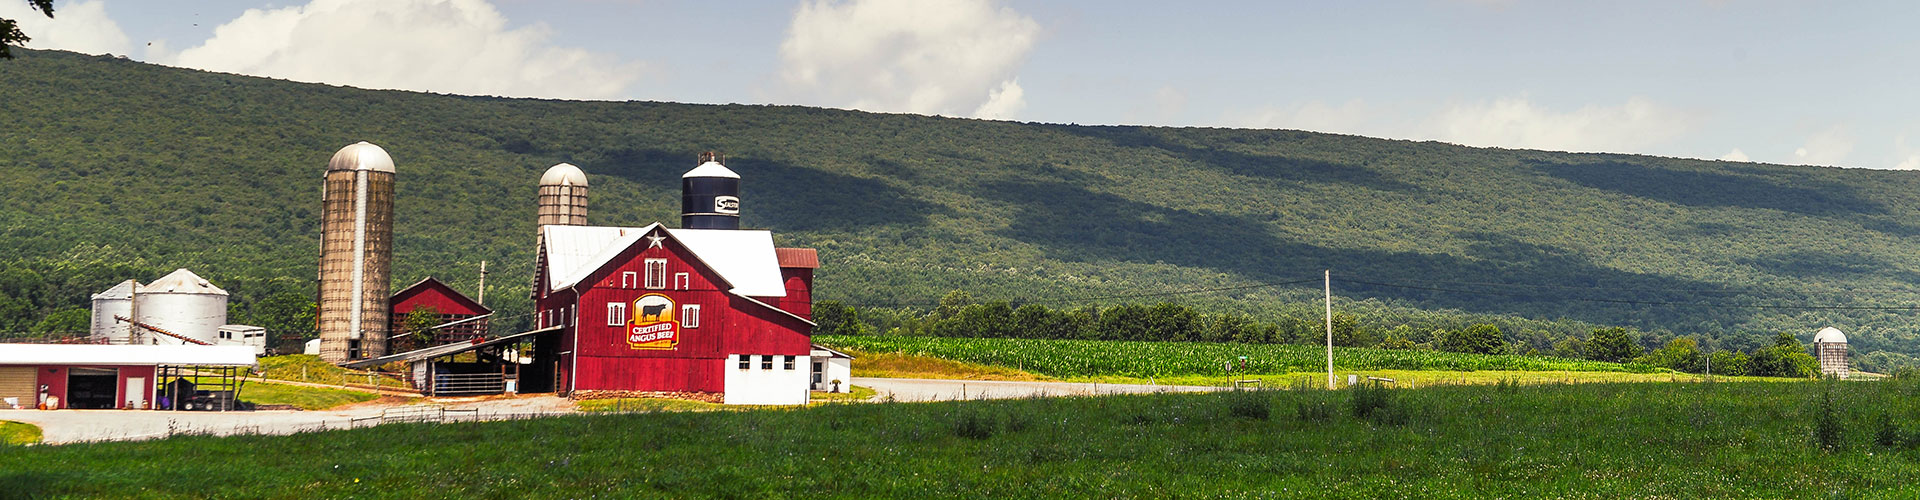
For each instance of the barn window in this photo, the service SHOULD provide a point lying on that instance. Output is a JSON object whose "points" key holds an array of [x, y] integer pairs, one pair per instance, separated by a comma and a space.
{"points": [[745, 360], [766, 361], [690, 316], [680, 281], [629, 279], [656, 273], [616, 313], [789, 365]]}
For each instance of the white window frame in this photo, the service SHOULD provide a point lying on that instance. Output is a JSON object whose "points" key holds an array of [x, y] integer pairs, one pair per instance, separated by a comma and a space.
{"points": [[629, 279], [746, 361], [656, 273], [680, 281], [616, 314], [766, 361], [690, 316], [788, 362]]}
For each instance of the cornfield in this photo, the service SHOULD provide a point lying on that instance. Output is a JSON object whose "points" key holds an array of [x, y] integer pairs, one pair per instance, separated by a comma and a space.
{"points": [[1084, 358]]}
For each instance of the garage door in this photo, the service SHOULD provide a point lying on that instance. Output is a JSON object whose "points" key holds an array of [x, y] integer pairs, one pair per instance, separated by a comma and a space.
{"points": [[18, 382]]}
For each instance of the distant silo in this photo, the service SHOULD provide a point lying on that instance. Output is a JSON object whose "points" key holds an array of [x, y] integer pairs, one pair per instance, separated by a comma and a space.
{"points": [[356, 250], [563, 196], [710, 196], [116, 301], [182, 303], [1832, 346]]}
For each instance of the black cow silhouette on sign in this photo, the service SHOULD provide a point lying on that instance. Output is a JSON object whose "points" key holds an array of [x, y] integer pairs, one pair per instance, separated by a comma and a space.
{"points": [[652, 312]]}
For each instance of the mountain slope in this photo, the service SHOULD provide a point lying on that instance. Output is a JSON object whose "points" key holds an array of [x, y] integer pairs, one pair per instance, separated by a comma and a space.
{"points": [[150, 168]]}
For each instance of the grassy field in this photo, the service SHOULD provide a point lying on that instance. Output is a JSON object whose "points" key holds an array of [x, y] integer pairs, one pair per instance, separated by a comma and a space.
{"points": [[1718, 440], [302, 397], [18, 433], [1076, 359], [309, 368]]}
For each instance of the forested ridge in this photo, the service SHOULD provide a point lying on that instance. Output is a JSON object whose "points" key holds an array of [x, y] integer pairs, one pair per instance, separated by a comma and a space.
{"points": [[114, 169]]}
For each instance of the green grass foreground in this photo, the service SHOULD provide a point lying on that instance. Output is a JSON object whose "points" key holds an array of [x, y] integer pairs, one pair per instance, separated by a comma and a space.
{"points": [[18, 433], [1721, 440]]}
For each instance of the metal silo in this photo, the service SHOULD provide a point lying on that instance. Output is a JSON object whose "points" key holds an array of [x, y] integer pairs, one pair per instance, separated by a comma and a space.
{"points": [[116, 301], [182, 303], [563, 196], [710, 196], [356, 252]]}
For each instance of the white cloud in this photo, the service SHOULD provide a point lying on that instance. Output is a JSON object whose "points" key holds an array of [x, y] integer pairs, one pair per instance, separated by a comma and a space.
{"points": [[1735, 155], [935, 57], [1827, 147], [453, 46], [1517, 122], [1911, 163], [1169, 102], [77, 26]]}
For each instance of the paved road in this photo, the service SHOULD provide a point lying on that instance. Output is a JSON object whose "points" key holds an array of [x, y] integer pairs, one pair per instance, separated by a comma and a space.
{"points": [[919, 389], [70, 426]]}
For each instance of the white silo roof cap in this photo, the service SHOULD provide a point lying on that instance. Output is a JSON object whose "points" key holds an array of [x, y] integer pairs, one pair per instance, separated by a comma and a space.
{"points": [[124, 290], [182, 281], [1829, 335], [564, 173], [711, 169], [361, 156]]}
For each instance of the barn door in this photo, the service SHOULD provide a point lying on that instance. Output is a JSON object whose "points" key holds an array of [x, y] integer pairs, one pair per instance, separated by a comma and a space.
{"points": [[18, 382]]}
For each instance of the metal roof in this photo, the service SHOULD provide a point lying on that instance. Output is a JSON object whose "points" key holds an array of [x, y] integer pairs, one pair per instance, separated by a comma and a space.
{"points": [[444, 349], [1829, 335], [564, 173], [124, 290], [798, 257], [181, 281], [125, 355], [820, 350], [361, 156], [711, 169], [744, 259]]}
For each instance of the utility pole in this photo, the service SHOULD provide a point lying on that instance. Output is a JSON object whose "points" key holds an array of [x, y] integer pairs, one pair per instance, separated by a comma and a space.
{"points": [[483, 283], [1330, 329]]}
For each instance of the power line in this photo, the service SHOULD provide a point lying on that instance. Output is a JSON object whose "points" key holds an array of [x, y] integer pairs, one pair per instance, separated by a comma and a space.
{"points": [[1110, 297], [1652, 302]]}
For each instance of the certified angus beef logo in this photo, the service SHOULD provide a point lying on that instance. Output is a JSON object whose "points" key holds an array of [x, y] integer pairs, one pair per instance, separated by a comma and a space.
{"points": [[653, 325]]}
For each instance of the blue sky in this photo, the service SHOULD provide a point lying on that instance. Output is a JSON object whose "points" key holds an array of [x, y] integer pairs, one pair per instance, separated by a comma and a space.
{"points": [[1774, 82]]}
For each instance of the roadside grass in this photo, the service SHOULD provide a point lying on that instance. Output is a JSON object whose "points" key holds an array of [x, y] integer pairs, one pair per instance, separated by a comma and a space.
{"points": [[1066, 359], [854, 394], [1596, 440], [310, 368], [903, 365], [18, 433], [1426, 378], [302, 397]]}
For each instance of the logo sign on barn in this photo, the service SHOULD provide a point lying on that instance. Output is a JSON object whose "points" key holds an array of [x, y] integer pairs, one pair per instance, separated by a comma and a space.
{"points": [[653, 326]]}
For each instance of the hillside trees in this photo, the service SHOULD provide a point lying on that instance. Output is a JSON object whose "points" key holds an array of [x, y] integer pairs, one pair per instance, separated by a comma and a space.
{"points": [[1612, 345]]}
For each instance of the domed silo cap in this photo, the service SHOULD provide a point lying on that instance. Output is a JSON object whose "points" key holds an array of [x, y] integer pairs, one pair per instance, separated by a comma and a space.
{"points": [[1829, 335], [711, 169], [564, 173], [181, 281], [361, 156]]}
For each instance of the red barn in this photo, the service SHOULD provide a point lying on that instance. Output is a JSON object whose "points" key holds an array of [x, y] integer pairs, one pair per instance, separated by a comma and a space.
{"points": [[449, 303], [662, 309]]}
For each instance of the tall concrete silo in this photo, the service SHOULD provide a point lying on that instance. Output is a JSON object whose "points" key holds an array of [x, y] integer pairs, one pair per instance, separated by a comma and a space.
{"points": [[356, 253], [563, 196], [1831, 345], [182, 303], [116, 301], [710, 196]]}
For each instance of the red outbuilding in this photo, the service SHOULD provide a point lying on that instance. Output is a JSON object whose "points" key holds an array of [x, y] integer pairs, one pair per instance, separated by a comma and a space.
{"points": [[450, 305]]}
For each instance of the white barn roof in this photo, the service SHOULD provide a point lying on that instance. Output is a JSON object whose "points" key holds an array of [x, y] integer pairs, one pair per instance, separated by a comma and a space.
{"points": [[125, 355], [1829, 335], [744, 259]]}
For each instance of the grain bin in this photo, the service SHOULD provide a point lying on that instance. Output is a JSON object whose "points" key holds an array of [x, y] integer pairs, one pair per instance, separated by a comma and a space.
{"points": [[182, 303]]}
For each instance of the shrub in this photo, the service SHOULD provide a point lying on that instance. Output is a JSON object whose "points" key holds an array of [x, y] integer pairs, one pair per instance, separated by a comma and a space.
{"points": [[973, 425], [1375, 402], [1318, 410], [1612, 345], [1249, 404], [1826, 424]]}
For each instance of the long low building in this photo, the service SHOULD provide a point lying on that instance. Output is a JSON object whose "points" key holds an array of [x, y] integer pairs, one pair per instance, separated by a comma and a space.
{"points": [[91, 376]]}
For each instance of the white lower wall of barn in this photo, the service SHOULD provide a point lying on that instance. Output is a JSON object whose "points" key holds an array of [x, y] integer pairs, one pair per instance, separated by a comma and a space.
{"points": [[758, 385]]}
